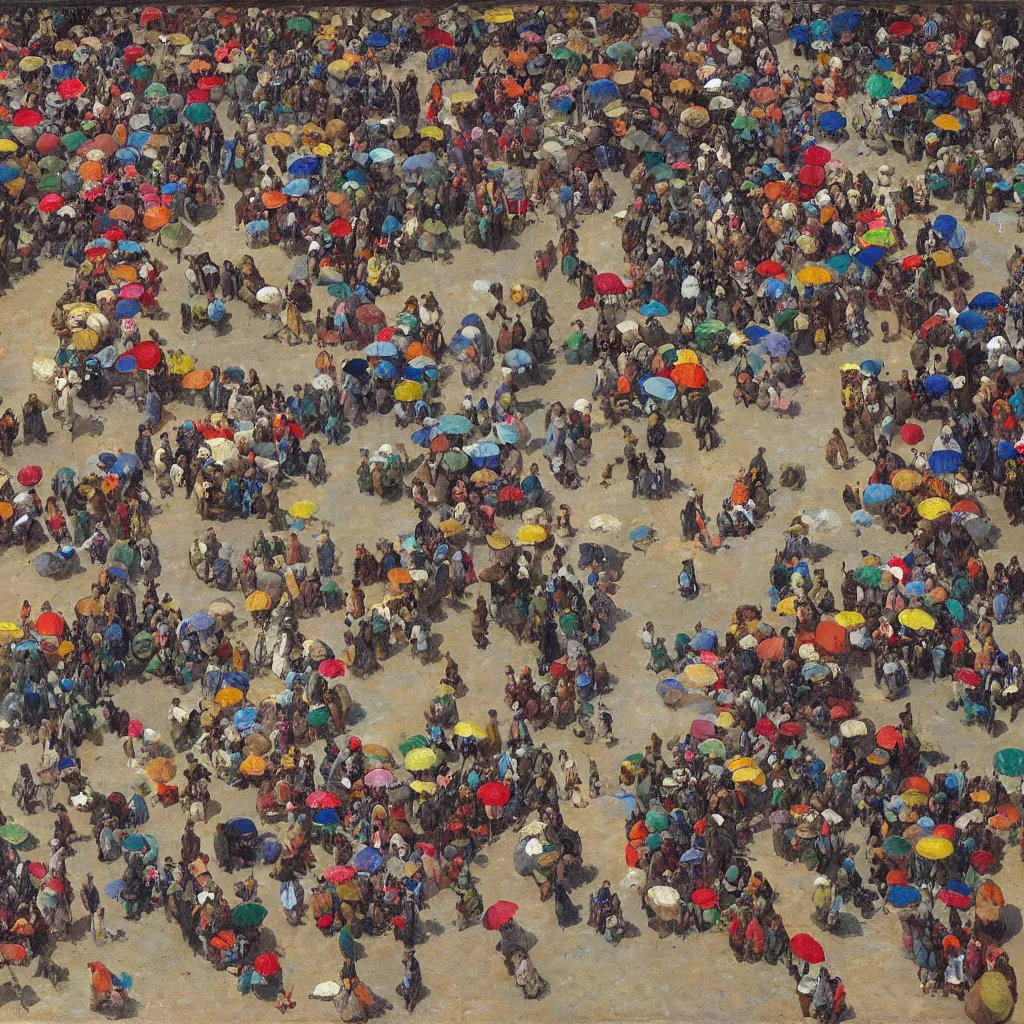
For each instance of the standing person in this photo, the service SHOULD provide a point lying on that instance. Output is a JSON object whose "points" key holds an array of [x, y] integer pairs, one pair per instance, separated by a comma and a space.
{"points": [[90, 897], [411, 987], [33, 428]]}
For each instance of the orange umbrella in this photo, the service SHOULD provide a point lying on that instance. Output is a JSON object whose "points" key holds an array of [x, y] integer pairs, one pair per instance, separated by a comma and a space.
{"points": [[602, 70], [513, 90], [90, 171], [156, 217], [198, 65], [274, 199], [517, 58], [689, 375], [122, 212], [196, 380]]}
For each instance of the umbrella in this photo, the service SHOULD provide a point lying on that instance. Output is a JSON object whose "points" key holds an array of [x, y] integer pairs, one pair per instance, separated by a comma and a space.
{"points": [[493, 794], [266, 965], [498, 914], [1009, 761], [806, 947], [609, 284], [248, 915]]}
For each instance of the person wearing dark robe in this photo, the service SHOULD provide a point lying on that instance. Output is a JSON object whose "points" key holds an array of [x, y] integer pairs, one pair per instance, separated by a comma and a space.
{"points": [[33, 427]]}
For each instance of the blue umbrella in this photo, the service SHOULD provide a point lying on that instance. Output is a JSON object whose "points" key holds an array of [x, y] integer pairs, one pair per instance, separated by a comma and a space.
{"points": [[755, 332], [423, 436], [419, 162], [356, 367], [653, 308], [381, 155], [655, 34], [775, 343], [1005, 450], [9, 173], [377, 39], [127, 308], [875, 493], [472, 320], [439, 56], [965, 76], [102, 243], [602, 91], [564, 104], [832, 121], [846, 21], [113, 889], [390, 226], [240, 826], [937, 385], [705, 640], [199, 621], [304, 165], [422, 363], [483, 450], [328, 816], [945, 460], [128, 245], [385, 370], [237, 679], [985, 300], [356, 175], [970, 321], [380, 350], [774, 288], [368, 860], [139, 138], [517, 358], [936, 98], [944, 224], [298, 187], [800, 34], [245, 718], [821, 29], [125, 464], [883, 64], [870, 256], [814, 671], [127, 155], [912, 85], [692, 856], [506, 433], [660, 387], [254, 227], [126, 364], [900, 896], [171, 187], [871, 367], [61, 71], [454, 424]]}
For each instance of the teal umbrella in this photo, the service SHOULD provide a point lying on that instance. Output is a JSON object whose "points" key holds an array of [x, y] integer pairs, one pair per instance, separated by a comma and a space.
{"points": [[868, 575], [300, 23], [1008, 761], [656, 821], [878, 87], [72, 141], [156, 89], [14, 833], [247, 915], [198, 113], [896, 846]]}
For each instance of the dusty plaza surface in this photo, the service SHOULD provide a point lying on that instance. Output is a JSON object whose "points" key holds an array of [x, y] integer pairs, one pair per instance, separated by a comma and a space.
{"points": [[693, 978]]}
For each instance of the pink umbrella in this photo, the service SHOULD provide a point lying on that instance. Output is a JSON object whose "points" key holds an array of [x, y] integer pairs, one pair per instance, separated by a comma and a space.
{"points": [[378, 778], [133, 290], [135, 728]]}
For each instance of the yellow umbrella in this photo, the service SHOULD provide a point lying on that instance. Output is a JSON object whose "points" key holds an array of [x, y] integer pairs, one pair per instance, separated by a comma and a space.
{"points": [[431, 131], [179, 39], [467, 729], [32, 63], [322, 149], [338, 68], [849, 619], [734, 764], [409, 391], [699, 674], [85, 340], [725, 720], [933, 508], [228, 697], [8, 146], [916, 618], [532, 533], [161, 769], [947, 122], [943, 258], [253, 765], [258, 601], [420, 759], [484, 476], [787, 606], [450, 527], [423, 786], [814, 275], [752, 774], [282, 140], [80, 309], [686, 356], [303, 509], [495, 16], [914, 798], [463, 97], [905, 479], [10, 631], [934, 848]]}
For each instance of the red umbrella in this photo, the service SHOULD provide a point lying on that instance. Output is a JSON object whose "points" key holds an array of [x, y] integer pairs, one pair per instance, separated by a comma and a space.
{"points": [[965, 102], [811, 175], [339, 873], [899, 29], [912, 433], [999, 98], [369, 314], [49, 624], [26, 117], [331, 668], [36, 869], [968, 677], [889, 738], [840, 710], [702, 729], [500, 913], [911, 262], [133, 52], [769, 268], [12, 952], [792, 729], [609, 284], [982, 860], [210, 82], [704, 898], [135, 728], [817, 156], [266, 965], [150, 14], [55, 885], [70, 89], [436, 37], [918, 783], [29, 476], [689, 375], [967, 507], [944, 832], [47, 143], [830, 637], [806, 947], [494, 794], [339, 228], [896, 877], [510, 493], [198, 96], [146, 354], [322, 800], [771, 648], [766, 727]]}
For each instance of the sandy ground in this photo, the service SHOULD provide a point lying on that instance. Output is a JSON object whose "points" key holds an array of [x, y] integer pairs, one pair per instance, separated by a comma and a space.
{"points": [[643, 978]]}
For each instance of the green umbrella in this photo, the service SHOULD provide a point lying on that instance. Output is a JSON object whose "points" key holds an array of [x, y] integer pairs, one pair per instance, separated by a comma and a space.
{"points": [[868, 575], [744, 122], [879, 236], [682, 18], [562, 54], [176, 235], [413, 743], [878, 87], [123, 553], [300, 24], [72, 141], [712, 748], [318, 716], [707, 330], [1008, 761], [656, 821], [140, 72], [434, 226], [786, 317], [455, 461], [634, 758], [896, 846], [246, 915], [339, 290], [14, 833], [198, 113], [156, 89], [50, 183], [664, 172]]}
